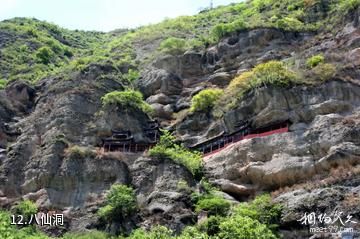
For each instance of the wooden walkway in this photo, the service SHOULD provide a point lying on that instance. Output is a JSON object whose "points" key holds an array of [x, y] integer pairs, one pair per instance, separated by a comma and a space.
{"points": [[249, 136], [127, 148], [208, 147]]}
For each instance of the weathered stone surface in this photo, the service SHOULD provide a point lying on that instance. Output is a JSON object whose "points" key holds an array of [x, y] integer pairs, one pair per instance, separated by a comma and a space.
{"points": [[290, 157], [328, 200], [220, 79], [156, 182], [21, 95], [159, 98], [39, 124], [160, 81], [65, 114]]}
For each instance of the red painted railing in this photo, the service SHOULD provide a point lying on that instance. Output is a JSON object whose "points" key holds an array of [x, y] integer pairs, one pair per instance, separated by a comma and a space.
{"points": [[236, 139], [224, 141]]}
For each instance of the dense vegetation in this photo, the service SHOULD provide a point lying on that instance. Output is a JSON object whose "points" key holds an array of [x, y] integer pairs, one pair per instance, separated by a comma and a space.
{"points": [[210, 201], [34, 49], [120, 203], [168, 148], [26, 208], [257, 219]]}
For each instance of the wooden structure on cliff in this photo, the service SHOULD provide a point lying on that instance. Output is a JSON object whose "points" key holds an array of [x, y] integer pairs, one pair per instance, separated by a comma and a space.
{"points": [[152, 131], [123, 141], [243, 131], [119, 141]]}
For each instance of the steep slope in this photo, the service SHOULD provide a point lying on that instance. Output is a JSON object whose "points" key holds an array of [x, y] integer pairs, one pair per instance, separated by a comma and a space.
{"points": [[51, 131], [32, 49]]}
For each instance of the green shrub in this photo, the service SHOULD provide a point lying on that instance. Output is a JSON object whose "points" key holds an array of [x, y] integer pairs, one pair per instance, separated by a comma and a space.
{"points": [[6, 230], [192, 233], [211, 225], [315, 60], [132, 75], [55, 46], [29, 232], [26, 208], [239, 227], [2, 84], [120, 203], [265, 74], [271, 73], [261, 209], [86, 235], [205, 100], [45, 55], [78, 152], [173, 46], [324, 72], [9, 231], [157, 232], [224, 29], [127, 99], [68, 53], [213, 205], [167, 148], [290, 24], [346, 6]]}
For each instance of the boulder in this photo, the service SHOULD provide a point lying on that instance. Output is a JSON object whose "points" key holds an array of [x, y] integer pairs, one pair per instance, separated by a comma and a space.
{"points": [[160, 81], [220, 79], [21, 95], [156, 181]]}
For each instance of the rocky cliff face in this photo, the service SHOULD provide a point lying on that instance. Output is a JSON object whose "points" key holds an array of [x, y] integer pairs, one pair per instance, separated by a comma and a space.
{"points": [[39, 125]]}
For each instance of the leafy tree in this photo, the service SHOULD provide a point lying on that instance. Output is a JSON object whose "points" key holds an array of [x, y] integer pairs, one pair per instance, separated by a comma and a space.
{"points": [[120, 203], [205, 100]]}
